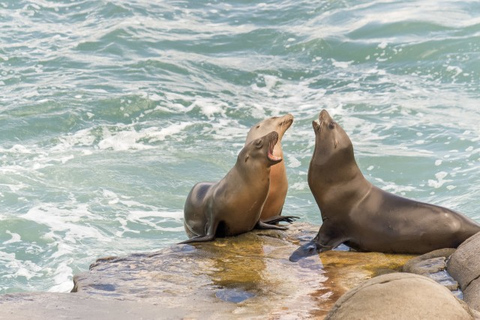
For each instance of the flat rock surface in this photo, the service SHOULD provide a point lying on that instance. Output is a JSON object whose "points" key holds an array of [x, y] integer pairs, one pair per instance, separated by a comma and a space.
{"points": [[56, 306], [248, 276]]}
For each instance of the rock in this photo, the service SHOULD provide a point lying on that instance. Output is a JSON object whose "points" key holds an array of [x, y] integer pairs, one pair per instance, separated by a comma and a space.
{"points": [[464, 266], [248, 276], [41, 306], [400, 296], [471, 295], [429, 263], [434, 266]]}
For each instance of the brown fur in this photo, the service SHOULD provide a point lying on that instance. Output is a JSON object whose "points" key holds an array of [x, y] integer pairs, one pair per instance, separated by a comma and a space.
{"points": [[278, 173]]}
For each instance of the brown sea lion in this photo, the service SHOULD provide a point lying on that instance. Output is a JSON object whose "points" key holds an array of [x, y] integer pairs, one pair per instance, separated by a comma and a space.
{"points": [[233, 205], [278, 173], [364, 217]]}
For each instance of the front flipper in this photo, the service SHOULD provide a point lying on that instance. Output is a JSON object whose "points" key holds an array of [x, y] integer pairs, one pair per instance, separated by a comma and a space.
{"points": [[328, 238], [266, 226], [309, 249], [277, 219]]}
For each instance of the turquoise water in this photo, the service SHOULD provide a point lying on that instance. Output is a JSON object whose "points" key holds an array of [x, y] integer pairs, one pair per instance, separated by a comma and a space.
{"points": [[110, 111]]}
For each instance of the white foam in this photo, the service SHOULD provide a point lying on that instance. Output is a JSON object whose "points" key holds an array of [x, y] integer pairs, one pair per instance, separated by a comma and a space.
{"points": [[63, 220], [382, 45], [62, 278], [174, 129], [341, 64], [122, 140], [26, 268], [83, 137], [17, 148], [440, 180], [293, 162], [454, 69], [299, 186], [167, 215], [15, 238]]}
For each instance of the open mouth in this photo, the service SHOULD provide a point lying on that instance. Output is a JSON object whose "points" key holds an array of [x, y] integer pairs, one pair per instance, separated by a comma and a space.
{"points": [[271, 145]]}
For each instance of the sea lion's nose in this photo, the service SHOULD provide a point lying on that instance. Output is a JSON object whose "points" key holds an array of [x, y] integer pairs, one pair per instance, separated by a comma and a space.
{"points": [[324, 116]]}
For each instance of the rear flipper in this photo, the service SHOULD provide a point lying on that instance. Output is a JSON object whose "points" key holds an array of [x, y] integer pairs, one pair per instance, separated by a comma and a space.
{"points": [[276, 219], [210, 236], [199, 239], [266, 226]]}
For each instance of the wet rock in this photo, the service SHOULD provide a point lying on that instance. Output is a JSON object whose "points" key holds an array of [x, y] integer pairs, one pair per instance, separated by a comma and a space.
{"points": [[246, 276], [434, 266], [464, 266], [429, 263], [400, 296], [42, 306]]}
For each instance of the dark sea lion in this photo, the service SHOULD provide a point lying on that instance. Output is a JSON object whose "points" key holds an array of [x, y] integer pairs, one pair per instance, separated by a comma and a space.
{"points": [[233, 205], [364, 217], [278, 173]]}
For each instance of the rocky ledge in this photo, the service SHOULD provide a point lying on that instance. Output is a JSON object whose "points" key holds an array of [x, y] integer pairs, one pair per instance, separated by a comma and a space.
{"points": [[248, 276]]}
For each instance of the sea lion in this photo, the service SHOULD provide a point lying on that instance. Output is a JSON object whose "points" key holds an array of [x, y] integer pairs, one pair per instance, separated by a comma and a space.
{"points": [[233, 205], [364, 217], [278, 173]]}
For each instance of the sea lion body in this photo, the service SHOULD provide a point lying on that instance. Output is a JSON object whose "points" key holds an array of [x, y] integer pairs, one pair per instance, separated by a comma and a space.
{"points": [[363, 216], [232, 205], [278, 173]]}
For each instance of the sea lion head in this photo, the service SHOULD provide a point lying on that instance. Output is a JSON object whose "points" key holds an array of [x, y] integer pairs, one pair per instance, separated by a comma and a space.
{"points": [[261, 150], [332, 144], [278, 124]]}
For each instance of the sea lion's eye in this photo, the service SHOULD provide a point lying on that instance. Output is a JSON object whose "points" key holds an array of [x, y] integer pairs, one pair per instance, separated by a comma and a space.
{"points": [[331, 125], [259, 143]]}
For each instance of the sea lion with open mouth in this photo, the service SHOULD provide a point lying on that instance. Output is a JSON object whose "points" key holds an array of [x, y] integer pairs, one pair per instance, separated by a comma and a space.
{"points": [[233, 205], [364, 217], [277, 193]]}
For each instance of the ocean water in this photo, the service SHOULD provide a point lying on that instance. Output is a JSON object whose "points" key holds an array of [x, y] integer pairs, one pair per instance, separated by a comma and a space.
{"points": [[110, 111]]}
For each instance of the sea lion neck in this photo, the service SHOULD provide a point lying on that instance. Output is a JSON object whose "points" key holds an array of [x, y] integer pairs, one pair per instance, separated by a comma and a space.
{"points": [[328, 175], [258, 171]]}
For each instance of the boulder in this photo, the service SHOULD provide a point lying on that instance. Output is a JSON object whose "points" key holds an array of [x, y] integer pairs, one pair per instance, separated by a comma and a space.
{"points": [[471, 295], [400, 296], [464, 266]]}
